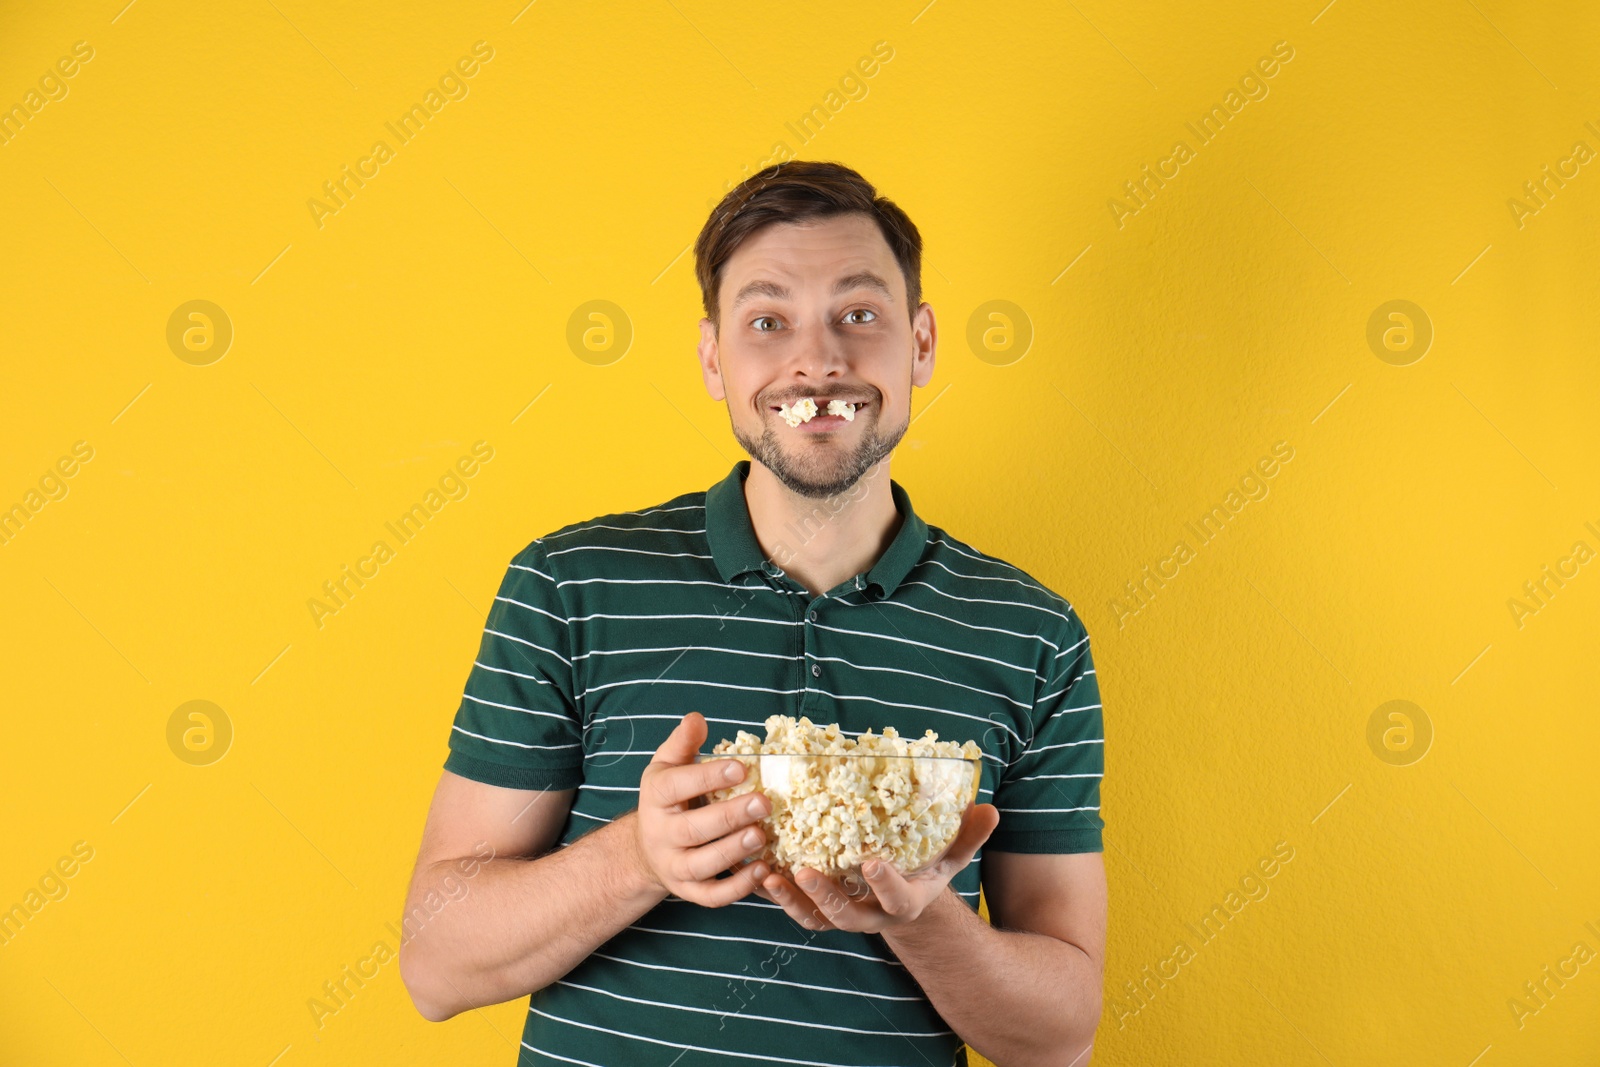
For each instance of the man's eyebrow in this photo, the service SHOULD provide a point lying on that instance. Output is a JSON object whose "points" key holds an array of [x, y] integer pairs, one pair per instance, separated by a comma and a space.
{"points": [[861, 279], [757, 288]]}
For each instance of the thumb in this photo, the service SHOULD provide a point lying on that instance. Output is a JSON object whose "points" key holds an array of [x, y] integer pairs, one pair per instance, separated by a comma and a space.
{"points": [[683, 744], [977, 823]]}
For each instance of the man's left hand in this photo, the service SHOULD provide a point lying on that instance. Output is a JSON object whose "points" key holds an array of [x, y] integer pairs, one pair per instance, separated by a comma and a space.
{"points": [[890, 898]]}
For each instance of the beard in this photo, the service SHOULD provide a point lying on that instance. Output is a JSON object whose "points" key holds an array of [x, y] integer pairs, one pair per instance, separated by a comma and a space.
{"points": [[817, 468]]}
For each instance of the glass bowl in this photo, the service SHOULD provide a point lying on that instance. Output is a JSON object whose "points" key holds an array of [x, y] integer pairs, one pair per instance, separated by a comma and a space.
{"points": [[833, 812]]}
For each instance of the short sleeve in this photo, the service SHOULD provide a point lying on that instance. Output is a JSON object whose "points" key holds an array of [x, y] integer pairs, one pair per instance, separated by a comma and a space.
{"points": [[1049, 797], [518, 725]]}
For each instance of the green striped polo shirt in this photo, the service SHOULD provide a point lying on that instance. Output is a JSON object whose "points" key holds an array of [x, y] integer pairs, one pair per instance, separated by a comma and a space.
{"points": [[606, 632]]}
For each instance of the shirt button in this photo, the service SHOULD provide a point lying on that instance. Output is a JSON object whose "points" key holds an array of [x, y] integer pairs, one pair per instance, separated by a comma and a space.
{"points": [[816, 671], [811, 616]]}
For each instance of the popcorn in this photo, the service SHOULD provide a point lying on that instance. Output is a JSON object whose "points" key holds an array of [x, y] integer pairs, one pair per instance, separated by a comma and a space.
{"points": [[833, 815], [805, 409]]}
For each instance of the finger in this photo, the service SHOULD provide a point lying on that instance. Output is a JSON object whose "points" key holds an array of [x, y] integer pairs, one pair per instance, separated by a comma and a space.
{"points": [[683, 743], [698, 826], [977, 823], [677, 750], [674, 786], [799, 907], [889, 886], [738, 885], [676, 774], [706, 861], [821, 898], [832, 902]]}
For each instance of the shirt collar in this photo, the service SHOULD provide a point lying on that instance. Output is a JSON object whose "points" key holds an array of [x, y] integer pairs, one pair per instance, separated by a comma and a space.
{"points": [[736, 551]]}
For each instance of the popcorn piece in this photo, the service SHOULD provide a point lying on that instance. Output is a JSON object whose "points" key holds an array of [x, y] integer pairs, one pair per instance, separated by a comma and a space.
{"points": [[832, 815], [803, 410]]}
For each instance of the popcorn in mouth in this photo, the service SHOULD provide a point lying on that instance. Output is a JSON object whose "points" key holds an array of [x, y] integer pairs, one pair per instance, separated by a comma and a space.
{"points": [[805, 409]]}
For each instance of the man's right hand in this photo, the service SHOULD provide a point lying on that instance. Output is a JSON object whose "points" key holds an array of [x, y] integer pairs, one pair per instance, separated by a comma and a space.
{"points": [[683, 849]]}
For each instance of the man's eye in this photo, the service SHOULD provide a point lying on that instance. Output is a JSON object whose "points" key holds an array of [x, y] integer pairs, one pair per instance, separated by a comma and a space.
{"points": [[861, 311], [764, 318]]}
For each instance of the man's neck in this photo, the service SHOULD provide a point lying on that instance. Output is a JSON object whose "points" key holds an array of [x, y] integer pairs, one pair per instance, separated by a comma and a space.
{"points": [[823, 542]]}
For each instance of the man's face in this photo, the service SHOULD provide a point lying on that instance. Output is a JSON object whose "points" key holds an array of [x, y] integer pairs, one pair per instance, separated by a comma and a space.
{"points": [[817, 309]]}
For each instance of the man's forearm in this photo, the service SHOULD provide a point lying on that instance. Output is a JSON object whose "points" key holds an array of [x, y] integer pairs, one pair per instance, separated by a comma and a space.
{"points": [[1040, 997], [523, 923]]}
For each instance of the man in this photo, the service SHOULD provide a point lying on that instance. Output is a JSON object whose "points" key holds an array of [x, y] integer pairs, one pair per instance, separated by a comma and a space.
{"points": [[803, 583]]}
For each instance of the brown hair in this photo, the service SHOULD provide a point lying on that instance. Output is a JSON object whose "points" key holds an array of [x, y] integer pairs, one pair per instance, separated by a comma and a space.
{"points": [[795, 191]]}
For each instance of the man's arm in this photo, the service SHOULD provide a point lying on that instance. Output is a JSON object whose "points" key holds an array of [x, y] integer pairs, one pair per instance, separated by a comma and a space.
{"points": [[485, 932], [1039, 966], [524, 917]]}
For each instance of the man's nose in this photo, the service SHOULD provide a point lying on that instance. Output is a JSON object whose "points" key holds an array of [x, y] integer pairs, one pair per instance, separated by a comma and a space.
{"points": [[820, 356]]}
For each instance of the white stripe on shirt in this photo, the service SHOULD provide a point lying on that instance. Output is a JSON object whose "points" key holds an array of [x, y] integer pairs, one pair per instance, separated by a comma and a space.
{"points": [[630, 551], [917, 674], [624, 529], [513, 707], [530, 644], [780, 944], [810, 1062], [756, 978], [518, 744], [932, 648], [752, 1018]]}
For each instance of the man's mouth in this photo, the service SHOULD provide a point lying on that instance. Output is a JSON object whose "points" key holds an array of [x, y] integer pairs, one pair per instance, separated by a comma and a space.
{"points": [[805, 409]]}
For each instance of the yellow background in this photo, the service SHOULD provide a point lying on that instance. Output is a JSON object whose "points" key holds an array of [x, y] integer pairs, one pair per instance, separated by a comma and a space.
{"points": [[1228, 314]]}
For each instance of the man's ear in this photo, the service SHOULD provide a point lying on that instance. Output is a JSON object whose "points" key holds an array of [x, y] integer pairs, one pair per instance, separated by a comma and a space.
{"points": [[924, 342], [710, 360]]}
